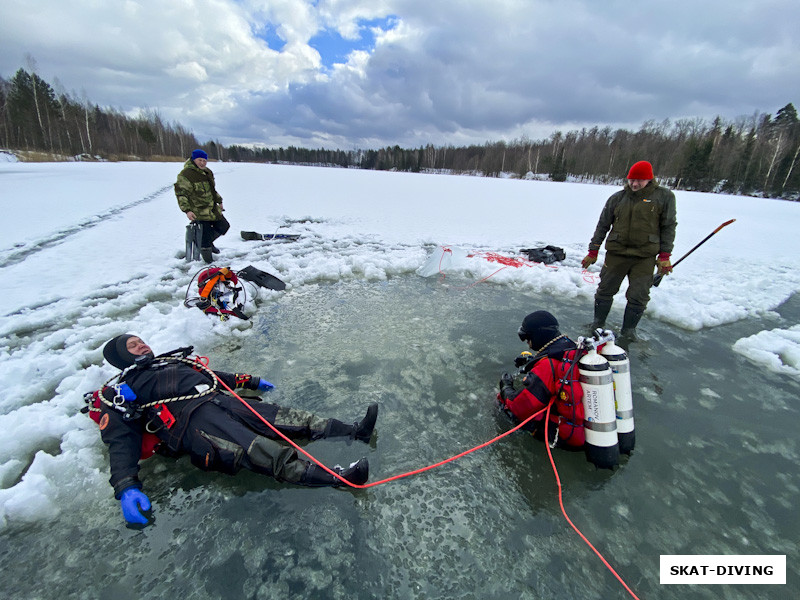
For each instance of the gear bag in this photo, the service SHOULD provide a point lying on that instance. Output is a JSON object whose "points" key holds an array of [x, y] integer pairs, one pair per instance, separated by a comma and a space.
{"points": [[219, 293], [546, 254]]}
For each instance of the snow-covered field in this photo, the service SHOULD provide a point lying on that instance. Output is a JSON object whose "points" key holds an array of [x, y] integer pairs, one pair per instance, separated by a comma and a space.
{"points": [[91, 250]]}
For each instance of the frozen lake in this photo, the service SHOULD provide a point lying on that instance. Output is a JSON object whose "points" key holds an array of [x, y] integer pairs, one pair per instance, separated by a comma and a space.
{"points": [[714, 471], [92, 251]]}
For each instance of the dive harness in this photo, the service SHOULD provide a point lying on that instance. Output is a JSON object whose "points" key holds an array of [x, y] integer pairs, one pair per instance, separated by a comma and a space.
{"points": [[125, 402]]}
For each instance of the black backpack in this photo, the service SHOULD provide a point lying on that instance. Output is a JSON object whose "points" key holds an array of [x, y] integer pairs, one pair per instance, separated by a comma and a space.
{"points": [[546, 255]]}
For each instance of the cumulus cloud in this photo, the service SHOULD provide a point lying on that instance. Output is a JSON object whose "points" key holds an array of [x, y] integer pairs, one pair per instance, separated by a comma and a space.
{"points": [[249, 71]]}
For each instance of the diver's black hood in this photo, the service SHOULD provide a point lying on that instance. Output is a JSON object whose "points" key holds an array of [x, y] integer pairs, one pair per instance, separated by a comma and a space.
{"points": [[116, 351], [540, 327]]}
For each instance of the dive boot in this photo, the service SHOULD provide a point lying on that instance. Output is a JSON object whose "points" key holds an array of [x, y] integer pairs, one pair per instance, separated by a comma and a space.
{"points": [[362, 430], [206, 254], [357, 473], [214, 249]]}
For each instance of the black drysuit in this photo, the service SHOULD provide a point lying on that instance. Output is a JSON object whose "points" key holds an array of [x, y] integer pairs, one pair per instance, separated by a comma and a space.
{"points": [[215, 429]]}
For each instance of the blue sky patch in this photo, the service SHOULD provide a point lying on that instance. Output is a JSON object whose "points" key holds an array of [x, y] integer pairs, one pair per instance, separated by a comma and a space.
{"points": [[333, 48], [270, 35]]}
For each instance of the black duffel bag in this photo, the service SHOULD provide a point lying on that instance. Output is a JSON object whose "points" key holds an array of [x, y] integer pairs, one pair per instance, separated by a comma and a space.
{"points": [[546, 255]]}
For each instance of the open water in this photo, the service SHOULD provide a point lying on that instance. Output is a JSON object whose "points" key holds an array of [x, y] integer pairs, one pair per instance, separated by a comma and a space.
{"points": [[715, 470]]}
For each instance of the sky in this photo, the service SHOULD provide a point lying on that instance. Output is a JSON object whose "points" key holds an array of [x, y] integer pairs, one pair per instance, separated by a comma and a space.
{"points": [[371, 73]]}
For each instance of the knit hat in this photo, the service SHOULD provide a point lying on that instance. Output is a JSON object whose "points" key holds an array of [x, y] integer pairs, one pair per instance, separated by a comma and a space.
{"points": [[539, 327], [641, 170], [199, 154], [116, 351]]}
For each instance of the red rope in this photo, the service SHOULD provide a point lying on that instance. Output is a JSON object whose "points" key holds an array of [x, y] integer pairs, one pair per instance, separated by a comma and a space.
{"points": [[588, 276], [388, 479], [564, 510], [480, 280], [442, 277], [443, 462]]}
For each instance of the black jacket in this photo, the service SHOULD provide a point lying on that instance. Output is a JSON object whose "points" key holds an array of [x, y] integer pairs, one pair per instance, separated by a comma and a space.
{"points": [[161, 380]]}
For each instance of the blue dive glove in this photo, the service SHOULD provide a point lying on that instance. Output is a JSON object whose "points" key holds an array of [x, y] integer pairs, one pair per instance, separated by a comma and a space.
{"points": [[264, 385], [133, 501]]}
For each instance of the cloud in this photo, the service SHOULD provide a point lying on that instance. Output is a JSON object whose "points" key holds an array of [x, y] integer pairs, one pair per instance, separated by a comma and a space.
{"points": [[353, 73]]}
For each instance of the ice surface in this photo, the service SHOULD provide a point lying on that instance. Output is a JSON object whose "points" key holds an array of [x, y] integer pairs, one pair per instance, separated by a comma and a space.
{"points": [[93, 250]]}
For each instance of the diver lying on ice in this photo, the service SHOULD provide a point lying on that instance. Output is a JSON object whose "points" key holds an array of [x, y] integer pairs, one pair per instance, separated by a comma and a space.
{"points": [[175, 406]]}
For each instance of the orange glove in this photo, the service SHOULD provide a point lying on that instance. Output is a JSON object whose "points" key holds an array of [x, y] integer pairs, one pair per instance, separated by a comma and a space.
{"points": [[664, 264], [589, 259]]}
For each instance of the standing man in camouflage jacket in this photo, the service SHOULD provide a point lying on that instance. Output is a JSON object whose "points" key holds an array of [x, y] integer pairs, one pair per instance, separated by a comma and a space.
{"points": [[642, 219], [198, 198]]}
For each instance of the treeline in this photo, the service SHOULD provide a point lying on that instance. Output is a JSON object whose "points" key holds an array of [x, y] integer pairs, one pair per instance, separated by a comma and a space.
{"points": [[752, 155], [756, 155], [33, 116]]}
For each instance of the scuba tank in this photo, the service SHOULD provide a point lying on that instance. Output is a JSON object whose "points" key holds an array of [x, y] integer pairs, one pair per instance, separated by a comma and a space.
{"points": [[600, 420], [621, 368]]}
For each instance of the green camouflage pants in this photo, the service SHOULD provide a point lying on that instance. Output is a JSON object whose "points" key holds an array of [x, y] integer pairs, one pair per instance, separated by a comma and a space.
{"points": [[294, 417]]}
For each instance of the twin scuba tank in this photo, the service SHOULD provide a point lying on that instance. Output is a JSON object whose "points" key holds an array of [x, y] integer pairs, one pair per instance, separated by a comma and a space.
{"points": [[607, 400]]}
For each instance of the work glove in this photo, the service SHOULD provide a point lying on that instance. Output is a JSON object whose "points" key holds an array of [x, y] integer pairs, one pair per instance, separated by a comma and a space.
{"points": [[133, 501], [664, 264], [589, 259]]}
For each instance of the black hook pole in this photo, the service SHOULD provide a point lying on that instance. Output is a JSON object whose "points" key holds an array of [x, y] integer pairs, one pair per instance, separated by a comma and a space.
{"points": [[657, 278]]}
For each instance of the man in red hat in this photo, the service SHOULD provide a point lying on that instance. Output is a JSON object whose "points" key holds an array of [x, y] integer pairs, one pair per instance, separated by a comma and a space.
{"points": [[642, 220]]}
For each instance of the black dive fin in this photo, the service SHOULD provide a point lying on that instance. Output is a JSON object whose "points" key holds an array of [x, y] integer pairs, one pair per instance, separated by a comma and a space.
{"points": [[283, 237], [259, 277]]}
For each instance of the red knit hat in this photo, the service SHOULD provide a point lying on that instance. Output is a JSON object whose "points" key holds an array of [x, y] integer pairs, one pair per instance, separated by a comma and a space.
{"points": [[641, 170]]}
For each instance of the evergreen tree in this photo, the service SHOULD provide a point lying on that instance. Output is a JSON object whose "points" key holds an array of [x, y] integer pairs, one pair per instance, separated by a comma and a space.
{"points": [[786, 117], [695, 174]]}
